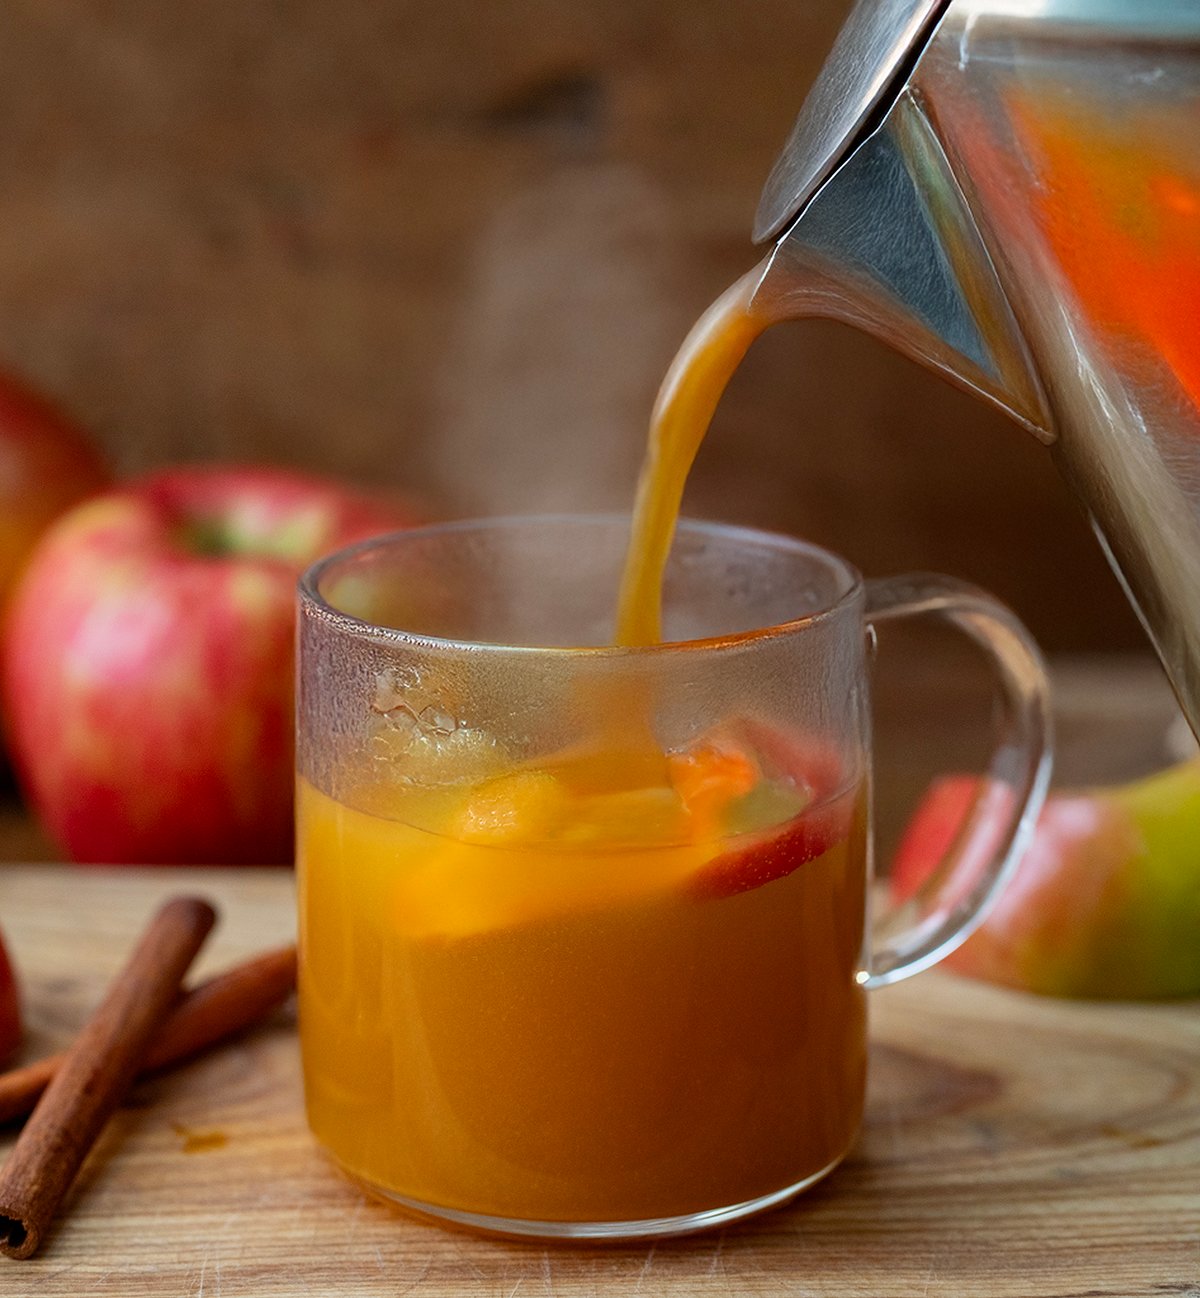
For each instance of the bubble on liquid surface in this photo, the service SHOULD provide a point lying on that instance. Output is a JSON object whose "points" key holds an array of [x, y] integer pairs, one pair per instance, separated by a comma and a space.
{"points": [[394, 688], [417, 739]]}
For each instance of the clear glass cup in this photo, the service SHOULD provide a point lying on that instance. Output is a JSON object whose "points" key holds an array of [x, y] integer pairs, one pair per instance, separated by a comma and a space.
{"points": [[583, 929]]}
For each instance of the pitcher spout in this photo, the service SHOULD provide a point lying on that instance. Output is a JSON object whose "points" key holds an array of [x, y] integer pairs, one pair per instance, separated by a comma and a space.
{"points": [[888, 244]]}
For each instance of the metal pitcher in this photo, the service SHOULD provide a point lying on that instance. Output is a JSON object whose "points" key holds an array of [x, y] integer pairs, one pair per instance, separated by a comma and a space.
{"points": [[1009, 191]]}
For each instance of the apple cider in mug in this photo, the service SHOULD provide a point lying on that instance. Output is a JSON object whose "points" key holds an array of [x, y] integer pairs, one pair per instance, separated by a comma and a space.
{"points": [[615, 982], [582, 924], [604, 986]]}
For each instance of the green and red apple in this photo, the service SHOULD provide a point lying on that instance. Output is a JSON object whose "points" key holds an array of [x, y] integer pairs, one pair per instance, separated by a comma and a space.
{"points": [[1105, 902], [147, 672]]}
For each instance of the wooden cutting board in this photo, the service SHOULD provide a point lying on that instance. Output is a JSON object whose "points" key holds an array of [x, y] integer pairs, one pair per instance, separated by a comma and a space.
{"points": [[1013, 1146]]}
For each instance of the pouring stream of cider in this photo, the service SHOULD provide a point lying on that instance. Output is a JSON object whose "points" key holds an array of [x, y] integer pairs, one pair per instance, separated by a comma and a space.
{"points": [[682, 413], [490, 963]]}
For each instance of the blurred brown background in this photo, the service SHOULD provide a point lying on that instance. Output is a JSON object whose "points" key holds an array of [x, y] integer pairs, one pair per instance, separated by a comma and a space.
{"points": [[452, 246]]}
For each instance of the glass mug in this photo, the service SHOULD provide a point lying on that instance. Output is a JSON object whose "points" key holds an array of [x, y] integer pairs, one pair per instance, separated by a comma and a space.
{"points": [[583, 929]]}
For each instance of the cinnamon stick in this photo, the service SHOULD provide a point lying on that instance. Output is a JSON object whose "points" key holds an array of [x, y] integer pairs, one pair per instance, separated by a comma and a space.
{"points": [[206, 1014], [95, 1074]]}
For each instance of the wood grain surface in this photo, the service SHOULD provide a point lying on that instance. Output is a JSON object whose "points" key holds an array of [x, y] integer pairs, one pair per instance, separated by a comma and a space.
{"points": [[1013, 1147]]}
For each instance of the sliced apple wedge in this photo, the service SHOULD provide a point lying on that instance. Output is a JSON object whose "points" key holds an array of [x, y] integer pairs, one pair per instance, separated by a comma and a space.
{"points": [[1105, 902], [775, 854]]}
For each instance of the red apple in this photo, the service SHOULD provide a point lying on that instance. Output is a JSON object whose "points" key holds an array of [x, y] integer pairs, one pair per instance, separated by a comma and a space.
{"points": [[776, 854], [46, 466], [10, 1009], [808, 763], [147, 673], [1105, 901]]}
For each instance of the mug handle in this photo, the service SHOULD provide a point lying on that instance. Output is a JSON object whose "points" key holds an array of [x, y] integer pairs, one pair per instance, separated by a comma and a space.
{"points": [[955, 896]]}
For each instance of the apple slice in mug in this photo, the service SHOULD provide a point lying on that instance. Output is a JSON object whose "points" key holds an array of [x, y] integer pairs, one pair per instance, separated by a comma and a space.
{"points": [[802, 790], [587, 830]]}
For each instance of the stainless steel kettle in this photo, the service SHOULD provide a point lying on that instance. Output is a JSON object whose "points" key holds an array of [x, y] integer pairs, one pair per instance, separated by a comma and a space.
{"points": [[1009, 191]]}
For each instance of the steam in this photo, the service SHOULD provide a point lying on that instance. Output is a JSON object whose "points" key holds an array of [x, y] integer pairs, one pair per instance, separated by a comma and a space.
{"points": [[567, 322]]}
